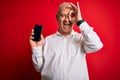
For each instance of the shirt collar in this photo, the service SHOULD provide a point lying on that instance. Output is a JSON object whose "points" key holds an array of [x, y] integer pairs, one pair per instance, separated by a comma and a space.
{"points": [[72, 33]]}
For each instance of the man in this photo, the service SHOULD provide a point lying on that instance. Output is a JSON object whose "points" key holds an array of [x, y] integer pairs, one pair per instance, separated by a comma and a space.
{"points": [[61, 56]]}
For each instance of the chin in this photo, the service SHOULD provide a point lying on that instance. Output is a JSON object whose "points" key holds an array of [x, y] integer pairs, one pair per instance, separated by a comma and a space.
{"points": [[67, 32]]}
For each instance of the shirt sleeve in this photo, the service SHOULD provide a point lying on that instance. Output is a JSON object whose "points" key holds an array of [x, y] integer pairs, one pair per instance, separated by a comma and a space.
{"points": [[37, 58], [91, 41]]}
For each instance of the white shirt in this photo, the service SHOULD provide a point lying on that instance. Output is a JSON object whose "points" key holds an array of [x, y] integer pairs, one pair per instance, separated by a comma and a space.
{"points": [[63, 58]]}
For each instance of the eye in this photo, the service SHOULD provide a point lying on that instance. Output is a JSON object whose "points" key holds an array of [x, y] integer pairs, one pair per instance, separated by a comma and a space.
{"points": [[72, 15], [62, 15]]}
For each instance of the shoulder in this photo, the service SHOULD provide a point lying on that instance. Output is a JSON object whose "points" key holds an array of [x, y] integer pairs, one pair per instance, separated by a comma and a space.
{"points": [[76, 34], [50, 36]]}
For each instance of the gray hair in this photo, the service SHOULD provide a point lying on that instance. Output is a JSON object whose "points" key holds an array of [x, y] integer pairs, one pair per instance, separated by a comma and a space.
{"points": [[66, 5]]}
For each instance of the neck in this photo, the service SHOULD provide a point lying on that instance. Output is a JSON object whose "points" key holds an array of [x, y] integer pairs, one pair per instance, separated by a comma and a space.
{"points": [[63, 34]]}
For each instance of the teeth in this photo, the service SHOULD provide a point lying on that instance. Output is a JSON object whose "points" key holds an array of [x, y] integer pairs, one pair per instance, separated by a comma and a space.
{"points": [[66, 24]]}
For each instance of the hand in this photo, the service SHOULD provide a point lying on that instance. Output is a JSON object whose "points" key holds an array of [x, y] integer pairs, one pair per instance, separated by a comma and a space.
{"points": [[34, 43], [76, 12], [79, 17]]}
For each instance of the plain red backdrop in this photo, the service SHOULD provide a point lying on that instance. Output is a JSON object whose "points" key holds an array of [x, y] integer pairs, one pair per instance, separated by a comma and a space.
{"points": [[17, 18]]}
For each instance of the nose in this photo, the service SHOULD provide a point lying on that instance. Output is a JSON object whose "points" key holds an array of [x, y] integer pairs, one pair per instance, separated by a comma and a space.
{"points": [[66, 18]]}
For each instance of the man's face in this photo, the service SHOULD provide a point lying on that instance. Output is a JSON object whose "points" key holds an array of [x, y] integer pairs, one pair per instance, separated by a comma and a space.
{"points": [[65, 21]]}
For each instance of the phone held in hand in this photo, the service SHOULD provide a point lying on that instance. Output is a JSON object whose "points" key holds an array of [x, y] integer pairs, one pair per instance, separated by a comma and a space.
{"points": [[37, 32]]}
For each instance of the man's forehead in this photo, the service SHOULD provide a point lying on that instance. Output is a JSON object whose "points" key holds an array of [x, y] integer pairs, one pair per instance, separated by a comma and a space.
{"points": [[66, 6], [65, 10]]}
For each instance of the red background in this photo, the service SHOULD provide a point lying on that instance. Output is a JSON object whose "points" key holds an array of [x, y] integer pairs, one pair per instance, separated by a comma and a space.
{"points": [[17, 18]]}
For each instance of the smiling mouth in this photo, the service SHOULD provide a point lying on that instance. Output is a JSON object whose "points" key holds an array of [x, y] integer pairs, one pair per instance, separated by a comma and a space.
{"points": [[67, 24]]}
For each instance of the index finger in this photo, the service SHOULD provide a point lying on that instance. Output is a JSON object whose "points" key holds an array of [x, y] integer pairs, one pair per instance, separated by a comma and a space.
{"points": [[73, 5], [78, 5], [74, 8]]}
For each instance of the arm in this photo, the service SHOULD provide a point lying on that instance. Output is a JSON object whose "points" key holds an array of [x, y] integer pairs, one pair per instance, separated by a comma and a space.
{"points": [[37, 58], [37, 51], [91, 41]]}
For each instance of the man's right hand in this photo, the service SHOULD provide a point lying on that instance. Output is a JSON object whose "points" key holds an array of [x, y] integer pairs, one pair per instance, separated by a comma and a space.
{"points": [[34, 43], [78, 16]]}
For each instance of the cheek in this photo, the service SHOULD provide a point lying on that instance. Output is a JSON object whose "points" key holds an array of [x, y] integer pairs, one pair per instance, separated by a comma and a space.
{"points": [[60, 21], [73, 19]]}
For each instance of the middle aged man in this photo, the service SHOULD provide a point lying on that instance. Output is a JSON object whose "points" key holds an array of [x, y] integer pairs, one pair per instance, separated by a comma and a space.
{"points": [[61, 56]]}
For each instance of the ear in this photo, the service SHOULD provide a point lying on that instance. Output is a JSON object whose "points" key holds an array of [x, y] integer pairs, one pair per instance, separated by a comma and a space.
{"points": [[57, 17]]}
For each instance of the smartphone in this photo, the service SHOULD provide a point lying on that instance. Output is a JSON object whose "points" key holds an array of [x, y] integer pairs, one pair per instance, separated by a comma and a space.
{"points": [[37, 32]]}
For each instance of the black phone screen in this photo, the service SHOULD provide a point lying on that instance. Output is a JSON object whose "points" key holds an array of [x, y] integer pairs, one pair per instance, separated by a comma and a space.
{"points": [[37, 32]]}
